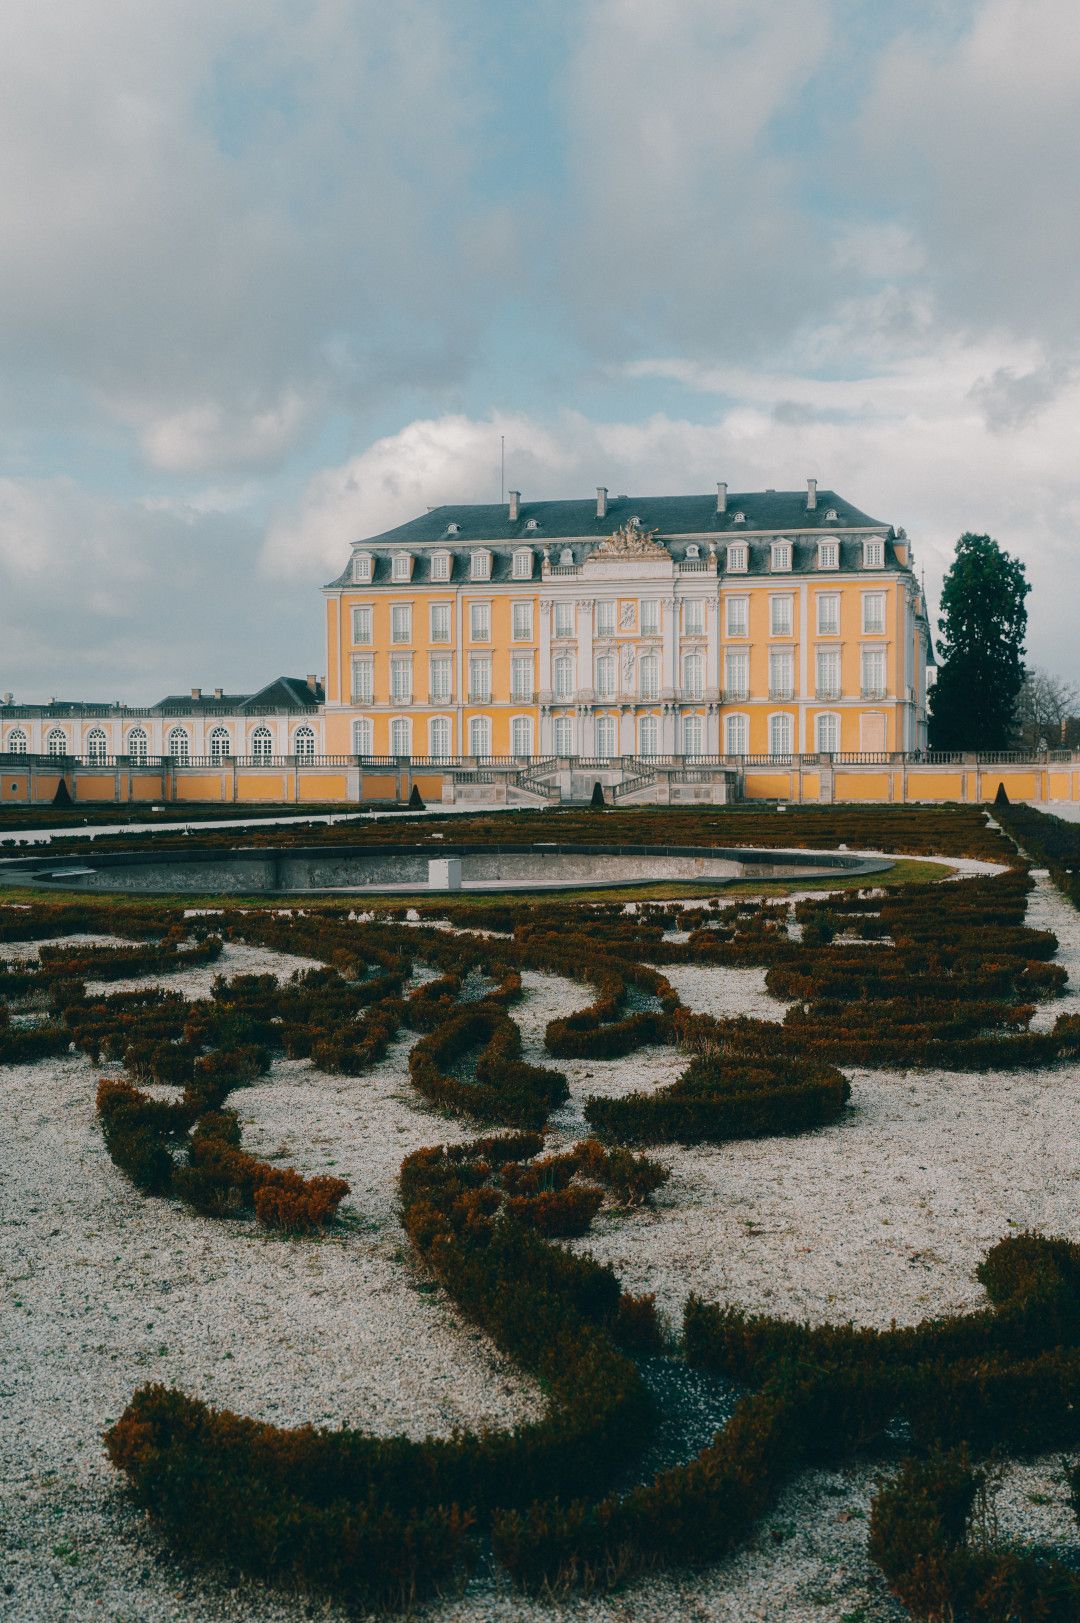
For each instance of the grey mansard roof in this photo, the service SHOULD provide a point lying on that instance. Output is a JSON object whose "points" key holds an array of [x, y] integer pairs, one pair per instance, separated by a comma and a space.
{"points": [[670, 516]]}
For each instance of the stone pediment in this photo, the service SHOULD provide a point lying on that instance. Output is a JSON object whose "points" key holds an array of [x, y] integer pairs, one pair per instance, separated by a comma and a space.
{"points": [[630, 541]]}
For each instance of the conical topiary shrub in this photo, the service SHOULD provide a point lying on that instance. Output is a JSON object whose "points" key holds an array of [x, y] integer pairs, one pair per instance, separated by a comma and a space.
{"points": [[62, 797], [597, 803], [416, 800], [1001, 798]]}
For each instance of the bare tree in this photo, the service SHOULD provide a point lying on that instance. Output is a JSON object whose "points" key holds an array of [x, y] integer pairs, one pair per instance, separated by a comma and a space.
{"points": [[1044, 708]]}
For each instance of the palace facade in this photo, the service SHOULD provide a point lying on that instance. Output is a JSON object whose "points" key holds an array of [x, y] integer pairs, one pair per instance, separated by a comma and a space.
{"points": [[753, 624]]}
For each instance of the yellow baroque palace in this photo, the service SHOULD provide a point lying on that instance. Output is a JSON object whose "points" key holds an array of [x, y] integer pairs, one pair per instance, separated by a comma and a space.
{"points": [[759, 624], [678, 649]]}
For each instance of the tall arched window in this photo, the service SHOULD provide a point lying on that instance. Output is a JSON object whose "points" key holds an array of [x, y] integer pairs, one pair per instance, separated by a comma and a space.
{"points": [[304, 743], [179, 745], [605, 676], [439, 737], [693, 735], [401, 736], [262, 744], [137, 745], [56, 743], [563, 735], [827, 734], [219, 744], [362, 735], [97, 746], [480, 736], [605, 737], [780, 734], [648, 736], [693, 676], [564, 677], [16, 742], [736, 733], [649, 676], [521, 734]]}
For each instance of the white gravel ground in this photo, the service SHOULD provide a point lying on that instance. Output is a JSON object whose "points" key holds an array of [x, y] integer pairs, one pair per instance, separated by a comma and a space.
{"points": [[883, 1216]]}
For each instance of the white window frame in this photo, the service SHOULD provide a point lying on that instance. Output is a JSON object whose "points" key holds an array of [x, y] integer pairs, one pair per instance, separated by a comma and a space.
{"points": [[363, 735], [821, 720], [873, 553], [56, 744], [480, 564], [363, 613], [522, 566], [479, 735], [521, 621], [870, 599], [831, 599], [401, 615], [401, 567], [521, 678], [780, 557], [649, 676], [692, 735], [606, 737], [519, 725], [17, 742], [363, 569], [607, 615], [563, 663], [441, 565], [781, 722], [828, 555], [436, 749], [479, 680], [649, 735], [138, 744], [362, 679], [442, 612], [401, 733], [649, 616], [738, 558], [440, 692], [214, 742], [781, 660], [871, 658], [693, 676], [401, 692], [694, 617], [562, 732], [564, 619], [737, 721], [779, 625], [304, 743], [605, 663], [480, 621], [179, 736], [97, 746], [736, 609], [261, 743], [739, 658], [823, 659]]}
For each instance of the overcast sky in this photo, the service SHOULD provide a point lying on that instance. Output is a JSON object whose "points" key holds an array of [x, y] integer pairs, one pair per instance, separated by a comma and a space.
{"points": [[278, 273]]}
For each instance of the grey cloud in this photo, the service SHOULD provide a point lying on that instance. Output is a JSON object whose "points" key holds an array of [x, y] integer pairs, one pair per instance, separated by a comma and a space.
{"points": [[1009, 400]]}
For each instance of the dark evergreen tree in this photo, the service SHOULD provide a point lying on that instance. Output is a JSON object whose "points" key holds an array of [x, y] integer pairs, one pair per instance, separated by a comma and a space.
{"points": [[1001, 798], [597, 801], [980, 649], [62, 797], [416, 800]]}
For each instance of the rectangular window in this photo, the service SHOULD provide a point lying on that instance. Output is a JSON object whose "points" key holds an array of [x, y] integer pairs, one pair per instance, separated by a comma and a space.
{"points": [[873, 554], [440, 622], [828, 555], [480, 622], [439, 679], [605, 676], [361, 623], [361, 737], [363, 679], [440, 566], [737, 559], [873, 613], [781, 616], [694, 617], [828, 614], [827, 684], [481, 566], [873, 673], [402, 566], [523, 565], [480, 678], [564, 677], [649, 677], [605, 617], [650, 617], [522, 622], [401, 622], [738, 615], [564, 619], [362, 569], [401, 680], [781, 673], [736, 674], [781, 555], [521, 677]]}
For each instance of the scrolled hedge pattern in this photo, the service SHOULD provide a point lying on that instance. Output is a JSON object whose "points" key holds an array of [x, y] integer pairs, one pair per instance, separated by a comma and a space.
{"points": [[942, 975]]}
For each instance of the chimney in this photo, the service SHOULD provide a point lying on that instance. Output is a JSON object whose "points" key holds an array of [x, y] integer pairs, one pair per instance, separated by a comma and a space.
{"points": [[515, 503], [601, 501], [811, 495], [313, 683], [196, 693], [219, 693], [721, 496]]}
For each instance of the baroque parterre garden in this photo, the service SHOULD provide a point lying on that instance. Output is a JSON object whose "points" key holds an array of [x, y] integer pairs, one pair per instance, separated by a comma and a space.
{"points": [[683, 1253]]}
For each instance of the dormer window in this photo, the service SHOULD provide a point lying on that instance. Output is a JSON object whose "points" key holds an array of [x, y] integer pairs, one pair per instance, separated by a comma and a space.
{"points": [[738, 518], [523, 564], [532, 523], [780, 555], [362, 569], [566, 558], [831, 515], [440, 566], [737, 559], [693, 550], [480, 565], [873, 554], [828, 555], [453, 528], [402, 566]]}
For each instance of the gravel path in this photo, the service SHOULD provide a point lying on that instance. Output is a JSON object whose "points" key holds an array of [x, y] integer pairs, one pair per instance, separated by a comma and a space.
{"points": [[882, 1216]]}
